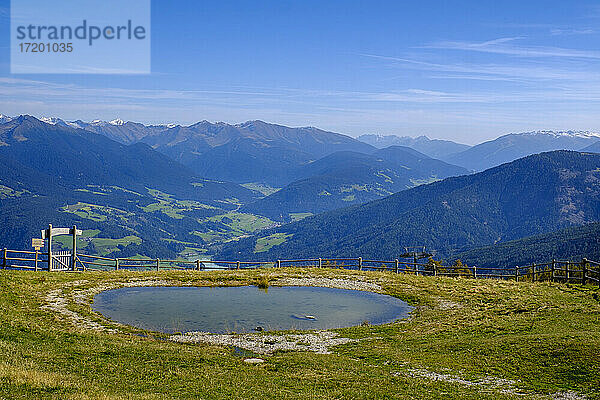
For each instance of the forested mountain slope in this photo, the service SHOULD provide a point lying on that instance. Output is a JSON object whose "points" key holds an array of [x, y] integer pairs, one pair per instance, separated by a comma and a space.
{"points": [[533, 195], [573, 244], [346, 178]]}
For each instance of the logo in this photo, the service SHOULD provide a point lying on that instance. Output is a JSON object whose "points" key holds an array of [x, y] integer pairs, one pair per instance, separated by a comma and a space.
{"points": [[82, 37]]}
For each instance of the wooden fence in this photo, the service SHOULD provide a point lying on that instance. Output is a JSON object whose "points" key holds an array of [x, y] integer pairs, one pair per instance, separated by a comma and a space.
{"points": [[584, 271]]}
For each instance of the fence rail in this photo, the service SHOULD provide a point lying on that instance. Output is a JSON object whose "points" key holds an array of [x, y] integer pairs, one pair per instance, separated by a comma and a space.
{"points": [[583, 271]]}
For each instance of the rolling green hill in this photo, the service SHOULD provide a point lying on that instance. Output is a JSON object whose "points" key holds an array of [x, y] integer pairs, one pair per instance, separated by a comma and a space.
{"points": [[533, 195]]}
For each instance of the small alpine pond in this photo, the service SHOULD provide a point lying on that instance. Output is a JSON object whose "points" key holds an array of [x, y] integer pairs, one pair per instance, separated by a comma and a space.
{"points": [[243, 309]]}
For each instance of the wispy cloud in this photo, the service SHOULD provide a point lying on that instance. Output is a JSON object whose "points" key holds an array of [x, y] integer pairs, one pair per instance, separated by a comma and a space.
{"points": [[505, 46], [571, 31], [513, 72], [552, 29]]}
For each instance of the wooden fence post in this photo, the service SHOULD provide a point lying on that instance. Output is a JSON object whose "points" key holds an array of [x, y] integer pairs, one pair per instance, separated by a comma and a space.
{"points": [[197, 265], [398, 266], [360, 263], [517, 273], [320, 262], [238, 265], [474, 272], [158, 264], [116, 264], [568, 272], [74, 250], [4, 258], [553, 277], [584, 271], [278, 263], [49, 247], [36, 260]]}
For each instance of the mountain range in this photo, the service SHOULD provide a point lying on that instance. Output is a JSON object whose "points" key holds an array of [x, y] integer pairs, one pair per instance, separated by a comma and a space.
{"points": [[64, 175], [510, 147], [253, 151], [533, 195], [346, 178], [494, 152], [434, 148], [59, 157], [259, 152], [172, 190]]}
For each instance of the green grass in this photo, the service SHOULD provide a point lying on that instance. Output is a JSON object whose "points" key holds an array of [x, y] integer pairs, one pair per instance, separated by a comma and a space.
{"points": [[243, 222], [267, 242], [544, 336], [300, 215], [92, 192], [96, 212], [191, 252], [7, 192], [425, 181], [165, 207], [172, 207], [103, 246], [354, 187], [106, 245], [261, 188], [82, 240], [385, 177], [105, 190], [235, 226]]}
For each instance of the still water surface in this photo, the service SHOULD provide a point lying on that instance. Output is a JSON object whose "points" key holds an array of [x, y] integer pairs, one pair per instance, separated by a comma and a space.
{"points": [[246, 308]]}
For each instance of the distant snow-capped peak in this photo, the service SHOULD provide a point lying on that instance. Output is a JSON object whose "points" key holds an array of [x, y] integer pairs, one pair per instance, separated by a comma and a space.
{"points": [[58, 121], [76, 124], [574, 134], [5, 118], [51, 120], [117, 122]]}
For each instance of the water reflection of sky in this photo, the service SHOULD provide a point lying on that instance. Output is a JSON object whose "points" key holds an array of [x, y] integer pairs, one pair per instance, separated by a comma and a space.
{"points": [[245, 308]]}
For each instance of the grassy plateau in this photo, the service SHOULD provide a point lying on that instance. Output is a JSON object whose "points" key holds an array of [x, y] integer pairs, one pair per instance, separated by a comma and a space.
{"points": [[466, 339]]}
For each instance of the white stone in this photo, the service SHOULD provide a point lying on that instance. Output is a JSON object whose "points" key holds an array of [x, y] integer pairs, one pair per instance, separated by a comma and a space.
{"points": [[254, 360]]}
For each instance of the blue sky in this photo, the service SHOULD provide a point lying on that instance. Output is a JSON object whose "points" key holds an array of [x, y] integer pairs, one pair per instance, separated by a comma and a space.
{"points": [[461, 70]]}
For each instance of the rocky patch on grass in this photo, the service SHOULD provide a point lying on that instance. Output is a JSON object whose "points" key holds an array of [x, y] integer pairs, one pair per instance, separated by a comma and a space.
{"points": [[319, 342], [488, 384], [58, 301]]}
